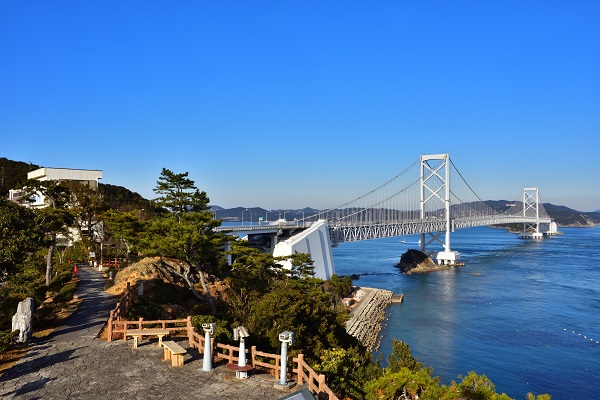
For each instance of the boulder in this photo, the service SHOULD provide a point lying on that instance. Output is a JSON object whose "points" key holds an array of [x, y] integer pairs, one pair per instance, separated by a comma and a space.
{"points": [[22, 320], [415, 261]]}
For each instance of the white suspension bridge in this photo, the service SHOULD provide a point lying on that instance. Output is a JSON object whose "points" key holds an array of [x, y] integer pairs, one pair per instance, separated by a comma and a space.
{"points": [[430, 197]]}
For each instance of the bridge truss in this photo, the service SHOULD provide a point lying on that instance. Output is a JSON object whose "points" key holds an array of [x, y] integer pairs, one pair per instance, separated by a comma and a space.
{"points": [[431, 198]]}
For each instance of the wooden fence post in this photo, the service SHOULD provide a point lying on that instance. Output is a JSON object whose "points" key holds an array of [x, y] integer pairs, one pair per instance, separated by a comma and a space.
{"points": [[189, 331], [110, 323], [125, 330], [321, 380], [300, 369], [253, 355]]}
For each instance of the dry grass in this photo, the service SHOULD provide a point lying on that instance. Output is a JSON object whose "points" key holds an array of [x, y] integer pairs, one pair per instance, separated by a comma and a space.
{"points": [[146, 269], [11, 356]]}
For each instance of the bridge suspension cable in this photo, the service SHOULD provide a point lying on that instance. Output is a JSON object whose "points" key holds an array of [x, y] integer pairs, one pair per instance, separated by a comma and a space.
{"points": [[413, 202]]}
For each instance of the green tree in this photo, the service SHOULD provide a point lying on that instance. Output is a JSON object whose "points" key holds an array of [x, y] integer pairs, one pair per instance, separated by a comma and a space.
{"points": [[186, 233], [347, 370], [87, 204], [53, 220], [252, 274], [531, 396], [306, 312], [477, 387], [402, 357], [301, 266], [407, 385], [123, 228], [18, 237], [178, 194]]}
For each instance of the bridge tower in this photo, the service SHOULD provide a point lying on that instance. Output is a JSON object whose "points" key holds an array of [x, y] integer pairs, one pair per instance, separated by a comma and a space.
{"points": [[531, 208], [435, 197]]}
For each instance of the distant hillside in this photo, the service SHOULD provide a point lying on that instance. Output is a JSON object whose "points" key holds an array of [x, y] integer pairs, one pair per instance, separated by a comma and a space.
{"points": [[119, 197], [564, 216], [12, 173]]}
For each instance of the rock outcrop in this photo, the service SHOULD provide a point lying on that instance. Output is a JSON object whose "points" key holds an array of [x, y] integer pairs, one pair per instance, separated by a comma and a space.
{"points": [[21, 321], [417, 262]]}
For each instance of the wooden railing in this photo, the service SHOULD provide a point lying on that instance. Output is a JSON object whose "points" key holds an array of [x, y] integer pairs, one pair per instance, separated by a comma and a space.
{"points": [[118, 327], [316, 382], [118, 313]]}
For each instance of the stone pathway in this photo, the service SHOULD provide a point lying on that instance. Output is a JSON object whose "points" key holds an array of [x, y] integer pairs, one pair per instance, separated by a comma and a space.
{"points": [[72, 363]]}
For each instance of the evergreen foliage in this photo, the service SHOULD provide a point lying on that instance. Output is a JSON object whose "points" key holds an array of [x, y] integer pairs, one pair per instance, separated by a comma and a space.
{"points": [[18, 237], [223, 333], [123, 199], [402, 357], [12, 173]]}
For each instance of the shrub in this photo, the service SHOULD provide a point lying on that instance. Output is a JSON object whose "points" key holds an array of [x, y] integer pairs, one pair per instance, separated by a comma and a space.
{"points": [[166, 293], [65, 294], [143, 308], [223, 332], [7, 338], [59, 279]]}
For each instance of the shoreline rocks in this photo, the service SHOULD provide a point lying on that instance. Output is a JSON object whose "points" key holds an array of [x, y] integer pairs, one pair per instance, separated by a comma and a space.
{"points": [[368, 315]]}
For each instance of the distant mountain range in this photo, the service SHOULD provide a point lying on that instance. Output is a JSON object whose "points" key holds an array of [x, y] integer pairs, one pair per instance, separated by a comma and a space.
{"points": [[14, 172]]}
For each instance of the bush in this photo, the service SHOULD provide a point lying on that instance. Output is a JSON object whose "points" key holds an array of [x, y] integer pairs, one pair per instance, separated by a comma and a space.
{"points": [[143, 308], [60, 278], [166, 293], [223, 334], [65, 294], [6, 339], [44, 314], [76, 253]]}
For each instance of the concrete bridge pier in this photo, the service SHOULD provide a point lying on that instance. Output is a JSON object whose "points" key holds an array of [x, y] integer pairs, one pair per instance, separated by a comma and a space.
{"points": [[317, 242]]}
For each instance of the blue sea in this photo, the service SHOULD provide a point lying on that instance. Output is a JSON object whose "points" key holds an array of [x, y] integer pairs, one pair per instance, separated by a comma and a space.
{"points": [[524, 313]]}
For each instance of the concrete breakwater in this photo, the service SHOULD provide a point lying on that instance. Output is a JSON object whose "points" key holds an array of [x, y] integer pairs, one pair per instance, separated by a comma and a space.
{"points": [[368, 316]]}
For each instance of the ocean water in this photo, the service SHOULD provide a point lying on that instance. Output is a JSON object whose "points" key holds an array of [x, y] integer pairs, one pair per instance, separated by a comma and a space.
{"points": [[524, 313]]}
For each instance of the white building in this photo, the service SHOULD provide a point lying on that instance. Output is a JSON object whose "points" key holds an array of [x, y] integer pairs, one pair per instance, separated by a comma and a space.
{"points": [[87, 176]]}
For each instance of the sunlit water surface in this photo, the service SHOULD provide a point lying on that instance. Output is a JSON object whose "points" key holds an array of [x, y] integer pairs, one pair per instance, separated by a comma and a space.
{"points": [[524, 313]]}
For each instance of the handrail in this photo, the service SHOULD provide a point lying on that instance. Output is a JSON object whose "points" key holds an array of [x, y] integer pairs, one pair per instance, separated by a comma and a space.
{"points": [[304, 373]]}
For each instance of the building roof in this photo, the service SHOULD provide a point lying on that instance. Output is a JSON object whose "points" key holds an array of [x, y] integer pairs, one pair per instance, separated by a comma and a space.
{"points": [[65, 174]]}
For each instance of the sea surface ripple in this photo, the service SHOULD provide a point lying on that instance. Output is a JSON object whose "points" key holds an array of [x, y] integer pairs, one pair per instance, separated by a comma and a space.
{"points": [[524, 313]]}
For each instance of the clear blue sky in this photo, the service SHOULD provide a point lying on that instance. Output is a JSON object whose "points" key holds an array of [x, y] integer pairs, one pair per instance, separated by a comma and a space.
{"points": [[287, 104]]}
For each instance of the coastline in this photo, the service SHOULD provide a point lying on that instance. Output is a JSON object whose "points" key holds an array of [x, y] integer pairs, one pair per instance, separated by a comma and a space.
{"points": [[368, 315]]}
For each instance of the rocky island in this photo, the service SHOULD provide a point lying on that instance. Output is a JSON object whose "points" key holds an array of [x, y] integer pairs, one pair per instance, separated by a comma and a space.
{"points": [[417, 262]]}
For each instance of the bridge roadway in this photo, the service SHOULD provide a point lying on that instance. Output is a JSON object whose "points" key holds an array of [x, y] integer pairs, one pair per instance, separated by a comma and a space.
{"points": [[349, 232]]}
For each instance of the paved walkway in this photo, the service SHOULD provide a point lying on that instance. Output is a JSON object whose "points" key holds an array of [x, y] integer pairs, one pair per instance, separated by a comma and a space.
{"points": [[74, 364]]}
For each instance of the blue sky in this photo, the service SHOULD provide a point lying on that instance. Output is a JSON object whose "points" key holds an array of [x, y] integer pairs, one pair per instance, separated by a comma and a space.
{"points": [[289, 104]]}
